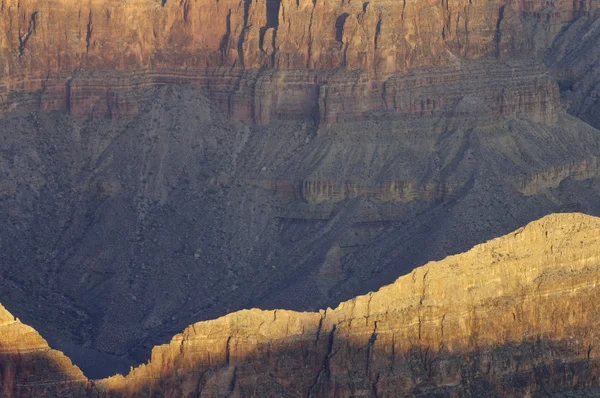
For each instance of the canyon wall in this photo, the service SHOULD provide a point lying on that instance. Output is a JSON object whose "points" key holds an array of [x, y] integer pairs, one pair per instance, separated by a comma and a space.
{"points": [[514, 316], [553, 177], [262, 59], [29, 368]]}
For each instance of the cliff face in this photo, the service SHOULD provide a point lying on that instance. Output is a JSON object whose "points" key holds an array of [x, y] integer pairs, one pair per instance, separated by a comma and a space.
{"points": [[28, 367], [514, 316], [260, 60], [61, 35], [574, 57]]}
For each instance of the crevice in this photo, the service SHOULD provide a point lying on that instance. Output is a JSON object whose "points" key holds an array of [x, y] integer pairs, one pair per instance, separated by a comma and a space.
{"points": [[24, 38], [424, 288], [310, 38], [339, 27], [374, 392], [225, 41], [186, 11], [442, 325], [68, 95], [233, 380], [273, 7], [378, 31], [88, 35], [498, 36], [242, 37], [370, 345], [320, 327], [228, 350], [272, 11], [325, 371]]}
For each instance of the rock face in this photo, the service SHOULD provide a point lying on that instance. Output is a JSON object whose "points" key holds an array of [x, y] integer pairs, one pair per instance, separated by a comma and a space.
{"points": [[574, 59], [515, 316], [380, 136], [266, 60], [29, 368]]}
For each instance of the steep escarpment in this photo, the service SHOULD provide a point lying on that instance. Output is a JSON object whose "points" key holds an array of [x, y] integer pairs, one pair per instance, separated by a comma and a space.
{"points": [[28, 367], [264, 60], [378, 36], [513, 316]]}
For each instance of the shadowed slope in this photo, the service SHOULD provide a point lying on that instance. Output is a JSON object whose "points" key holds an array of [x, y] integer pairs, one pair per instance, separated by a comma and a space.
{"points": [[183, 214]]}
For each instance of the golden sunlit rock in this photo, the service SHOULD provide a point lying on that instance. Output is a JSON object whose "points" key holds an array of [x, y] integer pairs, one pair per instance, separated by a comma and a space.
{"points": [[514, 316], [29, 368]]}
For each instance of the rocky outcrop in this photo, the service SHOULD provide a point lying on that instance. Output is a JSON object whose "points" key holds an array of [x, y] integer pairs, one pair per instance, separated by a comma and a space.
{"points": [[29, 368], [553, 177], [514, 316], [511, 317], [265, 60], [465, 89], [317, 191], [62, 35]]}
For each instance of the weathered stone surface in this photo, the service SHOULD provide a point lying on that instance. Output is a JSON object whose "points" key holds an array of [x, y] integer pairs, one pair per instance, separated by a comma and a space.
{"points": [[45, 44], [513, 316], [131, 219], [574, 59], [29, 368]]}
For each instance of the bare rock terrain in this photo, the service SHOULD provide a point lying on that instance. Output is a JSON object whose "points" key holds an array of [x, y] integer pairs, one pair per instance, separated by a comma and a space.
{"points": [[166, 162], [113, 227], [515, 316]]}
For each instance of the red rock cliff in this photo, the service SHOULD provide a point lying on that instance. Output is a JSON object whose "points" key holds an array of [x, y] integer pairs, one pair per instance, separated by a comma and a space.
{"points": [[225, 47]]}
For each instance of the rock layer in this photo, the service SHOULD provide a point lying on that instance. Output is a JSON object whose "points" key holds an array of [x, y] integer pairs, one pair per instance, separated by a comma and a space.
{"points": [[574, 58], [182, 200], [266, 60]]}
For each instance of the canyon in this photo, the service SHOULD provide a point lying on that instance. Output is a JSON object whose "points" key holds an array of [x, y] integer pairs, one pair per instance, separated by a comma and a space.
{"points": [[513, 316], [169, 162]]}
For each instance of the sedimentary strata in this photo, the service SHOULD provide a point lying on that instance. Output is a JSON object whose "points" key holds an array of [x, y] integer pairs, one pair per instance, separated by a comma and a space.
{"points": [[267, 60]]}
